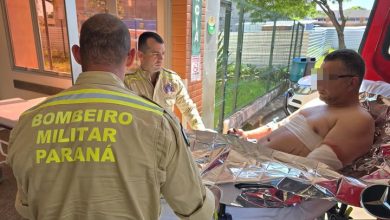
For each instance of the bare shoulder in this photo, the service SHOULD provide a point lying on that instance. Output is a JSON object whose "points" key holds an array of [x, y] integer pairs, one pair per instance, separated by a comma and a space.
{"points": [[356, 124], [352, 134], [357, 116]]}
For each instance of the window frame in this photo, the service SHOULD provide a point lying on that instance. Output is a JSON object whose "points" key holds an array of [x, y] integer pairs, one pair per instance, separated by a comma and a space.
{"points": [[163, 21], [37, 41]]}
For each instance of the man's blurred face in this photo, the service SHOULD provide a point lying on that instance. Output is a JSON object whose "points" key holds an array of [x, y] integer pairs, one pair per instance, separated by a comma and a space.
{"points": [[153, 57], [334, 82]]}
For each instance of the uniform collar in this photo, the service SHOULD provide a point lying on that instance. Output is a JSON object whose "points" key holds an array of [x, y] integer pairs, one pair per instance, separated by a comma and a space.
{"points": [[99, 77], [146, 75]]}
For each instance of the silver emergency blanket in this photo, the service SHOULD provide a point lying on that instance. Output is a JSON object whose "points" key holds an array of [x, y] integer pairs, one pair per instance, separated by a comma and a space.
{"points": [[254, 176], [374, 167]]}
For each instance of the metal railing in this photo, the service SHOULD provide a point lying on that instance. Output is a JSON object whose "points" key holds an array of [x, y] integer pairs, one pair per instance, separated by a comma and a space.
{"points": [[253, 58]]}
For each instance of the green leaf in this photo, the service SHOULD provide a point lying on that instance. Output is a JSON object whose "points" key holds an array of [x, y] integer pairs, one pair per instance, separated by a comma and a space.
{"points": [[271, 9]]}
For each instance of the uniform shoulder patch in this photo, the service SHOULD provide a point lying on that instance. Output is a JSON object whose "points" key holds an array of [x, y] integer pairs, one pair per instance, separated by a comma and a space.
{"points": [[169, 71], [132, 77], [171, 74]]}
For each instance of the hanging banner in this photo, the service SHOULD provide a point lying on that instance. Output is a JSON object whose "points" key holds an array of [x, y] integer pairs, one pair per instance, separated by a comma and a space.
{"points": [[195, 46]]}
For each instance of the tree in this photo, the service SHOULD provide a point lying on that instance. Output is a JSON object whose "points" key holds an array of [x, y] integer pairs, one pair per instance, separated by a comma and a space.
{"points": [[357, 8], [298, 9], [339, 25], [269, 9]]}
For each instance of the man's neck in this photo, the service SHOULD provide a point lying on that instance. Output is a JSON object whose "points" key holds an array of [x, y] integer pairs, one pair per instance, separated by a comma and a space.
{"points": [[118, 71], [347, 102], [153, 76]]}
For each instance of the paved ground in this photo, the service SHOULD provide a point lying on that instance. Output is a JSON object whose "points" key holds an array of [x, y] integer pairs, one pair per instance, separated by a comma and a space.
{"points": [[273, 110]]}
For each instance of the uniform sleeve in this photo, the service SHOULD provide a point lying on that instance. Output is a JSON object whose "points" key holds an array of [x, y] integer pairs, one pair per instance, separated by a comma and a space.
{"points": [[21, 205], [182, 187], [188, 108], [21, 200]]}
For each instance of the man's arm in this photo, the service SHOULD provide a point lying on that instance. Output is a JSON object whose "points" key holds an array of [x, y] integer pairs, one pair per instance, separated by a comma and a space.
{"points": [[256, 133], [262, 131], [182, 188], [188, 108]]}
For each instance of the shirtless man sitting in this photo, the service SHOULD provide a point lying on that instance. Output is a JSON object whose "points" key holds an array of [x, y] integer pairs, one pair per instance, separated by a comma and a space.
{"points": [[335, 133]]}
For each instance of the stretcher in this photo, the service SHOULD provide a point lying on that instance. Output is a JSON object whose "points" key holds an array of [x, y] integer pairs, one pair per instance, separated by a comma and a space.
{"points": [[365, 183]]}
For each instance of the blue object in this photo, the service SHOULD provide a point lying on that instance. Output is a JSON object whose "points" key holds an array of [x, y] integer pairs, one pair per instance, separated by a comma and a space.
{"points": [[297, 68], [309, 65]]}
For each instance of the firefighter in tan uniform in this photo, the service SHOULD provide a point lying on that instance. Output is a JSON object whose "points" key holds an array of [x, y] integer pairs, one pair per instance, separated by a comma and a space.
{"points": [[97, 150], [161, 85]]}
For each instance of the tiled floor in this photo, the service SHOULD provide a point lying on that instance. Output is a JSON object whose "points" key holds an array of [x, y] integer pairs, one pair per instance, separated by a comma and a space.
{"points": [[7, 196], [7, 187]]}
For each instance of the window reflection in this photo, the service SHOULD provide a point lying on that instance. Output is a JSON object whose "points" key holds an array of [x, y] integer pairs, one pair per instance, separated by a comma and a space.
{"points": [[139, 16], [21, 33], [87, 8], [53, 35]]}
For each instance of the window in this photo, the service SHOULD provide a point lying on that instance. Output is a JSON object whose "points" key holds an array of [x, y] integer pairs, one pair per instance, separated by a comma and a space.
{"points": [[39, 38], [87, 8], [138, 15], [53, 35], [21, 33]]}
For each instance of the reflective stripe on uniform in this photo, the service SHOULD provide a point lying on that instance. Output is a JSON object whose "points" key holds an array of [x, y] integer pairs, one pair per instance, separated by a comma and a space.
{"points": [[100, 96]]}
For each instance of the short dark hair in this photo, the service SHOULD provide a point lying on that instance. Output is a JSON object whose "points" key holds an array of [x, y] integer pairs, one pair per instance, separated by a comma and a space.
{"points": [[104, 39], [351, 59], [145, 36]]}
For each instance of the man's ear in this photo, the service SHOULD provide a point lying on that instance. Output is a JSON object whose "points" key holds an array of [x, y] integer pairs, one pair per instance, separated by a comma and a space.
{"points": [[130, 57], [356, 82], [140, 55], [76, 53], [353, 83]]}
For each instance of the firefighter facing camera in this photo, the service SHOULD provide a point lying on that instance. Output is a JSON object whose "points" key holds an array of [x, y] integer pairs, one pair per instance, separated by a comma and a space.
{"points": [[159, 84], [99, 151]]}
